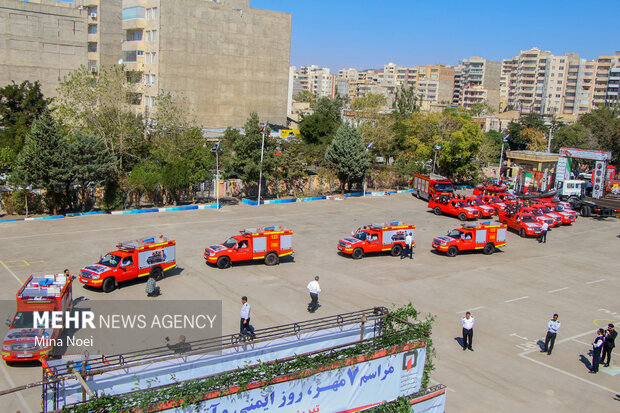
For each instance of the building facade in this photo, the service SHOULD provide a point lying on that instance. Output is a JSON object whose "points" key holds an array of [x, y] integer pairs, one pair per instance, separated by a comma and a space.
{"points": [[478, 81], [43, 40]]}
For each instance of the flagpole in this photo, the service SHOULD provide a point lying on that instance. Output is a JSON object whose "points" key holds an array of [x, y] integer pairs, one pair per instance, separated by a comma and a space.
{"points": [[260, 171], [217, 180]]}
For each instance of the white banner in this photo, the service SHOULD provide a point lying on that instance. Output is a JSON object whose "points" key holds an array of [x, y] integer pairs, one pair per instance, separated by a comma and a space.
{"points": [[355, 387]]}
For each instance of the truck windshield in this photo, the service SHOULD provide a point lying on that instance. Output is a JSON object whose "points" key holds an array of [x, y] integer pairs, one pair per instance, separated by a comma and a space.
{"points": [[443, 187], [535, 212], [230, 242], [110, 260], [361, 235], [477, 202], [455, 233], [24, 319], [558, 208], [527, 218], [496, 200], [547, 210]]}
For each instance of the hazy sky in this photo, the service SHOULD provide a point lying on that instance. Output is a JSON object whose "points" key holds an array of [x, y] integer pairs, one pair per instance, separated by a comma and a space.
{"points": [[368, 34]]}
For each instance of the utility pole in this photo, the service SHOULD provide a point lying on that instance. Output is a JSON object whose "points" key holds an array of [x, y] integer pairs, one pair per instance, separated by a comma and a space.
{"points": [[437, 149], [260, 171], [216, 149]]}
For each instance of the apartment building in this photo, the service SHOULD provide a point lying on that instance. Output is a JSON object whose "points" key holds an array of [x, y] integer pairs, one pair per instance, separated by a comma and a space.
{"points": [[41, 40], [478, 80], [316, 80], [225, 57], [612, 95]]}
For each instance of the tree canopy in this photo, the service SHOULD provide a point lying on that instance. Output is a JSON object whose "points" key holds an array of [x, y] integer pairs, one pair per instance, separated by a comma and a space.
{"points": [[347, 154]]}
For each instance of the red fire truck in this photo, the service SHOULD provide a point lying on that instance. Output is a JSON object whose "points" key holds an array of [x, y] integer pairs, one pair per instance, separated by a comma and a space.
{"points": [[41, 294], [486, 211], [268, 243], [455, 206], [524, 224], [389, 236], [132, 259], [538, 216], [472, 236], [428, 186]]}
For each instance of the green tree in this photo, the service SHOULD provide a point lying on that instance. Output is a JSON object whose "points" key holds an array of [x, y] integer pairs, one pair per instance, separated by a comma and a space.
{"points": [[573, 136], [292, 165], [20, 105], [490, 148], [407, 100], [91, 163], [143, 178], [347, 154], [44, 159], [480, 108], [604, 125], [319, 127], [246, 152], [516, 142], [103, 105], [305, 96]]}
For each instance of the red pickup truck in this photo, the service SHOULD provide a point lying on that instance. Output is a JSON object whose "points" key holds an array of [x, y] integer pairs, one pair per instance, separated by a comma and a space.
{"points": [[454, 206], [538, 216], [486, 211], [524, 224], [482, 236]]}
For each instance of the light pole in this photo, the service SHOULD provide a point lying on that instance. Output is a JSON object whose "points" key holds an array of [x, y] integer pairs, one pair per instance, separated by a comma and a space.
{"points": [[437, 149], [501, 156], [216, 149], [260, 171], [364, 186]]}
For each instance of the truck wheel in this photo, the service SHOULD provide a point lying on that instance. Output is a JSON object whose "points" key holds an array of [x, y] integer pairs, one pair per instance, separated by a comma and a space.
{"points": [[223, 262], [496, 210], [397, 250], [522, 232], [357, 253], [109, 284], [271, 259], [452, 251], [489, 249], [462, 216], [157, 273], [437, 211], [585, 211]]}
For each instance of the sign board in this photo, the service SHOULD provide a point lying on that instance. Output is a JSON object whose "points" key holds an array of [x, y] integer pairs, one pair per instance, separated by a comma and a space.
{"points": [[363, 383], [585, 154], [598, 179]]}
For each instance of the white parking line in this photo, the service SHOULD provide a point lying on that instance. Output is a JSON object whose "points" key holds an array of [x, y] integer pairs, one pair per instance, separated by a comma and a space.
{"points": [[470, 309], [596, 281], [12, 273], [517, 299], [559, 289]]}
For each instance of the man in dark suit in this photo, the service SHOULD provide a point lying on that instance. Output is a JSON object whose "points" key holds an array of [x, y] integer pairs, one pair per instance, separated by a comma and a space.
{"points": [[609, 344]]}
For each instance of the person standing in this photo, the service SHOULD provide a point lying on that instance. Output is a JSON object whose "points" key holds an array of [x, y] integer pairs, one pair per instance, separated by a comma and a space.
{"points": [[543, 235], [552, 331], [609, 344], [597, 346], [468, 331], [245, 328], [409, 244], [314, 289]]}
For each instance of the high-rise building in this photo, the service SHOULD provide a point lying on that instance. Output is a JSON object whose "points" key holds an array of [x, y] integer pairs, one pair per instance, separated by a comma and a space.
{"points": [[41, 40], [478, 81], [316, 80], [225, 57]]}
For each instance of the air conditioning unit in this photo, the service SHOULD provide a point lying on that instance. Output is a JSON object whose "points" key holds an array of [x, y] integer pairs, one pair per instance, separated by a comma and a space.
{"points": [[93, 69], [93, 15]]}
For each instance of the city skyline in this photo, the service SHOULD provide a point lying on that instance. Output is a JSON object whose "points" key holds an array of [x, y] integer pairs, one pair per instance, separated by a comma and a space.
{"points": [[323, 35]]}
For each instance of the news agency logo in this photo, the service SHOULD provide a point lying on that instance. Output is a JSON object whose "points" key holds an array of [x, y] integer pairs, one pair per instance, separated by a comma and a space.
{"points": [[87, 319]]}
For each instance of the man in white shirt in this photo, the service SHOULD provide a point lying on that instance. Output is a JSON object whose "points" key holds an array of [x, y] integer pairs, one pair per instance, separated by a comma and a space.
{"points": [[314, 289], [245, 328], [543, 234], [468, 331], [552, 331]]}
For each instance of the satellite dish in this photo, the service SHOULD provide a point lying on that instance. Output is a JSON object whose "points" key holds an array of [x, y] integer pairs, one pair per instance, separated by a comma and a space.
{"points": [[120, 61]]}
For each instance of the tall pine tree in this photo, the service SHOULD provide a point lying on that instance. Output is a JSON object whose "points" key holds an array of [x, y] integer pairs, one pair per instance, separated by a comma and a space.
{"points": [[348, 155]]}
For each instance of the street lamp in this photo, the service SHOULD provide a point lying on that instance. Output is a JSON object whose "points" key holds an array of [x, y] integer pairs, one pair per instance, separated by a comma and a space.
{"points": [[260, 171], [437, 148], [364, 186], [216, 149], [501, 156]]}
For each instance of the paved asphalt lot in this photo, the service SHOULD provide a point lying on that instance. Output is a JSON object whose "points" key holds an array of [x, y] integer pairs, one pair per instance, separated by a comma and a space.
{"points": [[512, 294]]}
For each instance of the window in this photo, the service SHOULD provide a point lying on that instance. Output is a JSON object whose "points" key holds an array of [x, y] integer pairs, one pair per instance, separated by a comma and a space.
{"points": [[148, 35], [136, 12], [92, 29], [134, 35], [583, 102], [92, 47], [562, 67], [585, 95], [130, 55], [154, 13], [148, 14], [552, 74], [153, 79], [559, 82], [147, 100], [153, 57], [559, 89], [147, 58], [558, 96], [154, 32]]}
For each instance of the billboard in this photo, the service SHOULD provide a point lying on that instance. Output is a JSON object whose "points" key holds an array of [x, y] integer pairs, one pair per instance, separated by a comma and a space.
{"points": [[355, 384]]}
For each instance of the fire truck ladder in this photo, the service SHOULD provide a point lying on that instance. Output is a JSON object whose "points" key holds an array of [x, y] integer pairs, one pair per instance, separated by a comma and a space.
{"points": [[52, 377]]}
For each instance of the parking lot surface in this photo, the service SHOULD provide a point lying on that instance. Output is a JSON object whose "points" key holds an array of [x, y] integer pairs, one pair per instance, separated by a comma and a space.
{"points": [[512, 293]]}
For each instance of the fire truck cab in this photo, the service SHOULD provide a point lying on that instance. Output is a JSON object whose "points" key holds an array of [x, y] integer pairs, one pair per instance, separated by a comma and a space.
{"points": [[524, 224], [454, 206], [268, 243], [389, 236], [428, 186], [472, 236], [494, 202], [486, 211], [41, 294], [132, 259]]}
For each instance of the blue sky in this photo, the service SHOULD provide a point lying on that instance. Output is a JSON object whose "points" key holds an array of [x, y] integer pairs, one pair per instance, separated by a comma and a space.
{"points": [[368, 34]]}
